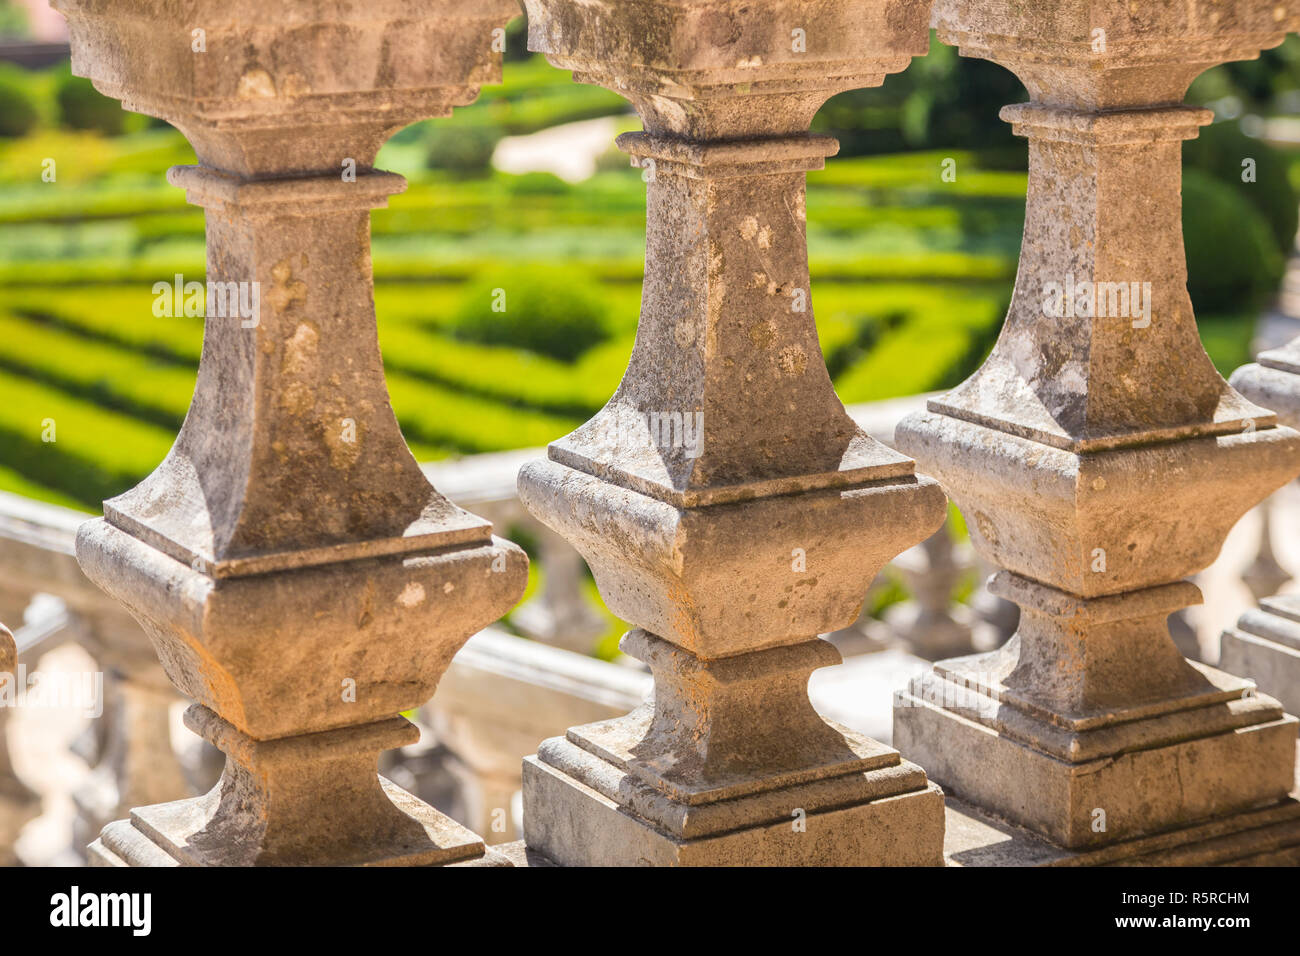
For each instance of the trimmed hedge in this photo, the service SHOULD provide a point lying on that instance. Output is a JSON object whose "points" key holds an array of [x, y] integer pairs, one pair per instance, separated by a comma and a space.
{"points": [[504, 374], [122, 315], [109, 376], [440, 416], [554, 312], [18, 115], [1233, 261], [96, 453], [81, 106], [1220, 151]]}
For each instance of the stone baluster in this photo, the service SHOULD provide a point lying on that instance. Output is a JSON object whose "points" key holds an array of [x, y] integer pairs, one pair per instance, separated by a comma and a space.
{"points": [[1265, 643], [499, 697], [1264, 576], [19, 804], [997, 616], [930, 623], [725, 502], [299, 577], [134, 762], [1099, 458], [560, 615]]}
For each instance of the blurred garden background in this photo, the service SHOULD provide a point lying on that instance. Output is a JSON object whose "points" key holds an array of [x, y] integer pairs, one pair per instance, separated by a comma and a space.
{"points": [[911, 272]]}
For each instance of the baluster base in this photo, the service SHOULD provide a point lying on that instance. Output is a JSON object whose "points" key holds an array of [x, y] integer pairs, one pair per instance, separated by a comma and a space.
{"points": [[1269, 836], [584, 809], [161, 835], [1265, 647], [1085, 783], [314, 799]]}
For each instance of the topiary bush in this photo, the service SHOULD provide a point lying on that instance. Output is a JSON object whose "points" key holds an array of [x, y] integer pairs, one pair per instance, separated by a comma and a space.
{"points": [[1219, 152], [81, 106], [463, 150], [18, 115], [1233, 261], [558, 312]]}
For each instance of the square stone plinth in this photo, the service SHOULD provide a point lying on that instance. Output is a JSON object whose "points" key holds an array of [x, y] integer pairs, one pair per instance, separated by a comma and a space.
{"points": [[570, 823], [1265, 837], [974, 838], [1090, 804], [172, 834]]}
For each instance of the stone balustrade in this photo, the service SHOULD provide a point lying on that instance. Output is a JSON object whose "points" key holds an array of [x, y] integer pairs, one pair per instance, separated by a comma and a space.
{"points": [[500, 696], [130, 745], [18, 804], [299, 578]]}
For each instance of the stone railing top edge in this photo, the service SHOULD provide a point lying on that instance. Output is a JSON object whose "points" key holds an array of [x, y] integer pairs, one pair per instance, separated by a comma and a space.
{"points": [[555, 668]]}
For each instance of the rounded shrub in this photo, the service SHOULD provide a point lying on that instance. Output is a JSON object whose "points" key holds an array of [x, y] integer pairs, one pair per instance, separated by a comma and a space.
{"points": [[1220, 152], [463, 150], [556, 312], [18, 115], [537, 184], [81, 106], [1233, 261]]}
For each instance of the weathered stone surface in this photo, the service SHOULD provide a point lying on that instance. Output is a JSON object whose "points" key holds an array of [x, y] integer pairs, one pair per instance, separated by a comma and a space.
{"points": [[1265, 644], [757, 518], [304, 85], [974, 838], [1058, 796], [703, 577], [901, 829], [1097, 454], [1271, 381], [297, 573]]}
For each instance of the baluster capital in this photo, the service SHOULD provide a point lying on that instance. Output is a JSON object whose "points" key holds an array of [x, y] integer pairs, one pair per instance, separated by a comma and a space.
{"points": [[1112, 54], [701, 69], [278, 89]]}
